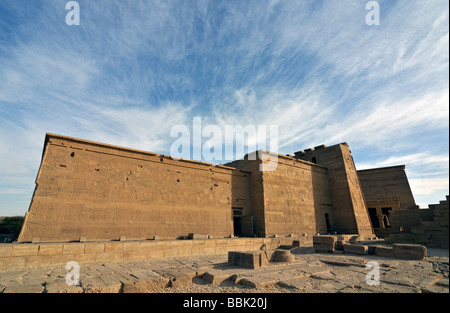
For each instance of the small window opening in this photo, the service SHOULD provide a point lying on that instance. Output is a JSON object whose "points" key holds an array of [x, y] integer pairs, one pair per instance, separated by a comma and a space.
{"points": [[237, 222]]}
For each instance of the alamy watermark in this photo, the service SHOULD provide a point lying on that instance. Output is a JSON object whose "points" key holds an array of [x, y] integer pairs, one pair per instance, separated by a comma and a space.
{"points": [[73, 17], [73, 276], [373, 17], [373, 277], [226, 144]]}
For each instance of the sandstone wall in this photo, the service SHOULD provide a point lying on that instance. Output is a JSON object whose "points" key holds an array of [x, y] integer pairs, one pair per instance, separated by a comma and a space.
{"points": [[388, 183], [350, 209], [255, 190], [103, 192], [292, 199], [15, 256], [429, 227], [296, 198]]}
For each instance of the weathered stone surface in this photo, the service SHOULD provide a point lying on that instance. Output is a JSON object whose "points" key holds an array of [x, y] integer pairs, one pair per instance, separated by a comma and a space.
{"points": [[351, 214], [356, 249], [198, 236], [340, 245], [409, 251], [99, 192], [324, 244], [283, 256], [253, 259], [384, 251], [299, 284], [318, 273], [216, 277], [259, 281]]}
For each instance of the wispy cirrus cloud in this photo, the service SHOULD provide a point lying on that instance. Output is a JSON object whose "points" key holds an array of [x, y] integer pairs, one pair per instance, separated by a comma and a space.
{"points": [[134, 69]]}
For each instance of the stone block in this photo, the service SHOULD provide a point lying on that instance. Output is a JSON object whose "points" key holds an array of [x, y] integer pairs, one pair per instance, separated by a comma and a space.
{"points": [[184, 252], [113, 246], [216, 277], [24, 250], [198, 236], [148, 245], [340, 245], [124, 256], [5, 250], [62, 258], [258, 282], [86, 257], [347, 237], [210, 243], [94, 248], [185, 244], [409, 251], [254, 259], [73, 248], [163, 245], [221, 242], [384, 251], [12, 262], [356, 249], [50, 249], [34, 288], [324, 239], [325, 243], [220, 250], [170, 253], [38, 260], [197, 250], [131, 246], [157, 254]]}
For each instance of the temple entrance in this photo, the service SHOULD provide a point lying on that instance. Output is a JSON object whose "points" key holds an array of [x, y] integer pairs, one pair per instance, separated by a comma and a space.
{"points": [[242, 225], [237, 222], [327, 223]]}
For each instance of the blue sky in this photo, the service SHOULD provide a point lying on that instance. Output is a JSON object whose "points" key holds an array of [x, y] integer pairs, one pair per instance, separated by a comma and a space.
{"points": [[134, 69]]}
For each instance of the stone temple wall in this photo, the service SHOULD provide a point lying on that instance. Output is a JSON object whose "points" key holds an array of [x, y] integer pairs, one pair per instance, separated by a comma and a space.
{"points": [[350, 208], [102, 192], [88, 191], [387, 184]]}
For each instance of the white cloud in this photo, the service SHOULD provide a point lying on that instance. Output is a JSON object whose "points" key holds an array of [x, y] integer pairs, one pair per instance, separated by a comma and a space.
{"points": [[314, 68], [429, 186], [417, 159]]}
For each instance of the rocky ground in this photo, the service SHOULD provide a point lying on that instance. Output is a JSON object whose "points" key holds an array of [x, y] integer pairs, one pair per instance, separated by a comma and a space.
{"points": [[310, 273]]}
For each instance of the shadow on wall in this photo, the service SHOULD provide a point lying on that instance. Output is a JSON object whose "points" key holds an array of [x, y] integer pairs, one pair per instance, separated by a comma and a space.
{"points": [[10, 228], [323, 205], [245, 222]]}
